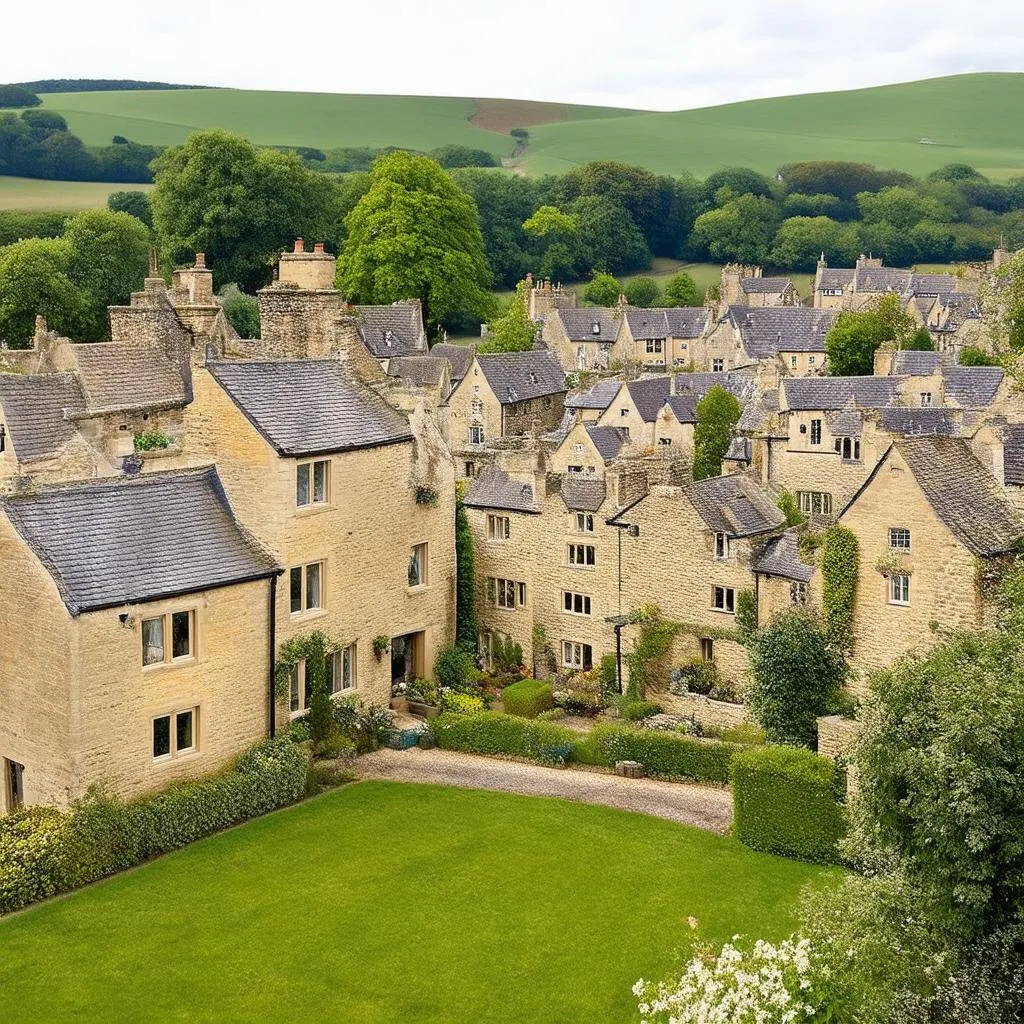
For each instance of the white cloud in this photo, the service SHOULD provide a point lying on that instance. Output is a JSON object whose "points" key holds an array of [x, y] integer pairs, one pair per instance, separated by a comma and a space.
{"points": [[651, 53]]}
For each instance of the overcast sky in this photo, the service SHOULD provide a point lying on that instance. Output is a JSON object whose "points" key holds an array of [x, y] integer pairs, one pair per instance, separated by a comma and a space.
{"points": [[653, 54]]}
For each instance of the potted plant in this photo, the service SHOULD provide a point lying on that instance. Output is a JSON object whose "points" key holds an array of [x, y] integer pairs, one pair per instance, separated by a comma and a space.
{"points": [[423, 698], [381, 645]]}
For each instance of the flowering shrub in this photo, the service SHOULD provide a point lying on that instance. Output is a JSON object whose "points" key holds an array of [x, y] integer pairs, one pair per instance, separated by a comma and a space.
{"points": [[767, 984], [461, 703]]}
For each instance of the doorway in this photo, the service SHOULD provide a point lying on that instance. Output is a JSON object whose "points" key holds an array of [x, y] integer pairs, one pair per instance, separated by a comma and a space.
{"points": [[407, 655]]}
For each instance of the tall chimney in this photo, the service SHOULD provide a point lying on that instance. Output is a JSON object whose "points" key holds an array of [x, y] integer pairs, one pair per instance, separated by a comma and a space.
{"points": [[300, 245], [200, 261]]}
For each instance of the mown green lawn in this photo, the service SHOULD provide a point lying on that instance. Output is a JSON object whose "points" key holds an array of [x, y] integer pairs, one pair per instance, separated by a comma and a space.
{"points": [[386, 902]]}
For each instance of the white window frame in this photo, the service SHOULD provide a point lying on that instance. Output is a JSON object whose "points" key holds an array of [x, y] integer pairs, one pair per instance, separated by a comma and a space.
{"points": [[577, 655], [166, 620], [899, 589], [310, 470], [896, 536], [721, 546], [173, 750], [476, 434], [304, 594], [808, 499], [797, 593], [574, 603], [723, 599], [707, 649], [810, 360], [655, 346], [582, 556], [815, 432], [584, 522], [498, 527], [792, 362], [419, 555], [717, 365]]}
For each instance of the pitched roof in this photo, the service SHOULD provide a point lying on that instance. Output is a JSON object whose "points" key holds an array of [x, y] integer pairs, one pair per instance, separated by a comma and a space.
{"points": [[424, 371], [494, 489], [972, 387], [734, 505], [766, 331], [882, 279], [909, 422], [667, 322], [598, 396], [836, 277], [34, 408], [756, 412], [765, 285], [963, 494], [459, 357], [739, 450], [520, 376], [608, 441], [932, 284], [847, 423], [579, 324], [115, 375], [309, 406], [956, 308], [581, 494], [153, 536], [833, 393], [915, 364], [392, 330], [649, 394], [780, 556], [1013, 454]]}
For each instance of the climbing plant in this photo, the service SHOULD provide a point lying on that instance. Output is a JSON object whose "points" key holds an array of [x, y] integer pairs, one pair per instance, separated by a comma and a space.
{"points": [[652, 643], [465, 596], [746, 613], [840, 565], [313, 649]]}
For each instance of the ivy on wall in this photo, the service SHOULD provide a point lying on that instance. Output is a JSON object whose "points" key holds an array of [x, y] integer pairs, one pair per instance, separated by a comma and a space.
{"points": [[313, 648], [840, 567], [465, 584]]}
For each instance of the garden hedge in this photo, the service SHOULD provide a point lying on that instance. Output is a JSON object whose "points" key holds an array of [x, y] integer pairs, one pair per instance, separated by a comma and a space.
{"points": [[527, 698], [44, 852], [785, 801], [490, 732]]}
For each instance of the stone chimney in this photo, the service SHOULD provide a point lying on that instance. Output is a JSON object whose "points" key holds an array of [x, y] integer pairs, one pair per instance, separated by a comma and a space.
{"points": [[999, 257], [193, 286], [309, 271]]}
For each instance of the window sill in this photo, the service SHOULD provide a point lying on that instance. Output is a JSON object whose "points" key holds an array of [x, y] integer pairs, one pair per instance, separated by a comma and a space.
{"points": [[420, 588], [723, 611], [302, 511], [898, 604], [160, 762], [173, 663], [306, 616]]}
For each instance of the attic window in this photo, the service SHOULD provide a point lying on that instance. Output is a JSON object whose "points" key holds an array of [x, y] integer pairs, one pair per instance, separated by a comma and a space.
{"points": [[533, 377], [595, 328], [388, 338]]}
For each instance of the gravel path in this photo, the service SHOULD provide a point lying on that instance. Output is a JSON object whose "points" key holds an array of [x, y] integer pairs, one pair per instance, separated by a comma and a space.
{"points": [[702, 806]]}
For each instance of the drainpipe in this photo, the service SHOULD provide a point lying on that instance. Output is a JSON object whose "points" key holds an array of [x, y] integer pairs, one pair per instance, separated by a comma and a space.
{"points": [[272, 666]]}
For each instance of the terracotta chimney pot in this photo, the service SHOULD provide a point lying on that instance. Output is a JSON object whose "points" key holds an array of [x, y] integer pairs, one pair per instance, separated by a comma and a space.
{"points": [[319, 248], [300, 245], [200, 261]]}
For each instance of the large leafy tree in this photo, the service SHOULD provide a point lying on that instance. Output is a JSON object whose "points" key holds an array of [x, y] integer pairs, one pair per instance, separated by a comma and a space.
{"points": [[801, 240], [717, 414], [643, 292], [415, 234], [682, 290], [513, 331], [608, 236], [602, 289], [743, 229], [217, 193], [851, 344]]}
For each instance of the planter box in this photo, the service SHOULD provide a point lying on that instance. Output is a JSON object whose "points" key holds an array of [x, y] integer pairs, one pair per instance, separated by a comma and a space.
{"points": [[400, 704], [717, 714], [423, 710]]}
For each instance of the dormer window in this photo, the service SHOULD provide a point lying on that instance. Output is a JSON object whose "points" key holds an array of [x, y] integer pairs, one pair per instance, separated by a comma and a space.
{"points": [[595, 328], [388, 338], [533, 377]]}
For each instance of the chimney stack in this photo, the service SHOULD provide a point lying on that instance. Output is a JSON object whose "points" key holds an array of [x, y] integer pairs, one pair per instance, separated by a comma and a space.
{"points": [[200, 261], [300, 245], [318, 248]]}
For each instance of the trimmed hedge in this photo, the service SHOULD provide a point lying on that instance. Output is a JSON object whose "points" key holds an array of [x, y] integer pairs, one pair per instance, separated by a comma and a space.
{"points": [[490, 732], [661, 753], [634, 710], [44, 852], [527, 698], [785, 801]]}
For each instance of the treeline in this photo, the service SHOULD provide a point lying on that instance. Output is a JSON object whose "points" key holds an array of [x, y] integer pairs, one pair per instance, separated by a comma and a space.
{"points": [[101, 85], [345, 159]]}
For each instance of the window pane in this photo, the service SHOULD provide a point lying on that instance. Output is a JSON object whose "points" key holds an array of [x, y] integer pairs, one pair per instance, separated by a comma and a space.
{"points": [[152, 641], [162, 736], [181, 634], [313, 585], [567, 597], [302, 485], [346, 668], [183, 729], [295, 579], [293, 689], [320, 481]]}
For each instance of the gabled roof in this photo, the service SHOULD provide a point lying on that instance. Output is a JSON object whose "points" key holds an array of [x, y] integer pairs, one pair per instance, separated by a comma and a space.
{"points": [[578, 324], [649, 394], [932, 284], [115, 375], [609, 441], [847, 423], [915, 364], [667, 322], [956, 309], [780, 556], [393, 330], [972, 387], [765, 285], [598, 396], [836, 277], [1013, 454], [309, 406], [756, 412], [34, 407], [140, 539], [494, 489], [459, 357], [520, 376], [908, 421], [734, 505], [833, 393], [423, 371], [882, 279], [581, 494], [739, 450], [766, 331]]}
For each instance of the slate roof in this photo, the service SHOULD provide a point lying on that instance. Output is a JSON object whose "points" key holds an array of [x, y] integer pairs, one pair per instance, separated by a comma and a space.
{"points": [[598, 396], [520, 376], [649, 394], [882, 279], [963, 494], [909, 422], [1013, 454], [739, 450], [915, 364], [460, 358], [119, 376], [424, 371], [932, 284], [734, 505], [309, 406], [393, 330], [755, 413], [956, 309], [581, 494], [848, 423], [34, 407], [765, 285], [153, 536], [833, 393], [972, 387], [667, 322], [608, 441], [766, 331], [494, 489], [578, 324], [780, 556], [836, 277]]}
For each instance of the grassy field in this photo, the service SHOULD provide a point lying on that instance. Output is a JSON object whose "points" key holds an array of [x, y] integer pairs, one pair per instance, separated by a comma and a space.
{"points": [[36, 194], [386, 902]]}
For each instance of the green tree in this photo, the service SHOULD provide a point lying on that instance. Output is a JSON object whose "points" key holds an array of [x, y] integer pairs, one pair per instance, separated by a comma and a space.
{"points": [[548, 222], [34, 281], [643, 292], [602, 289], [956, 172], [135, 203], [415, 235], [513, 331], [801, 240], [796, 677], [1004, 305], [737, 181], [109, 259], [717, 414], [841, 178], [741, 230], [463, 156], [681, 290], [242, 310], [921, 341], [465, 578], [609, 238], [898, 206], [217, 193], [971, 356], [13, 96], [853, 340]]}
